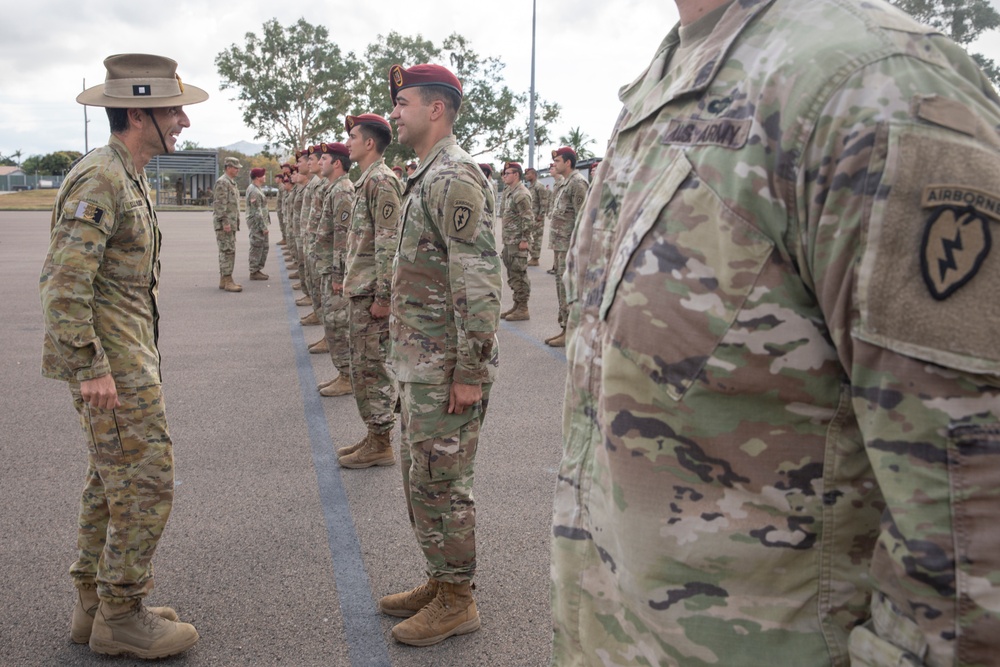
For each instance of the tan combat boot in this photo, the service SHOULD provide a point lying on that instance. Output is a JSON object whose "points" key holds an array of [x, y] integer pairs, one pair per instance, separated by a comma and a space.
{"points": [[559, 340], [231, 286], [259, 275], [350, 449], [519, 314], [533, 261], [376, 452], [507, 312], [87, 601], [222, 282], [320, 347], [340, 387], [294, 275], [408, 603], [303, 301], [452, 612], [131, 628], [309, 320], [281, 242]]}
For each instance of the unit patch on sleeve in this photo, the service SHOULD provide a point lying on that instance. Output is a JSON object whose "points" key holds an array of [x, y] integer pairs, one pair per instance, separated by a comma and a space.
{"points": [[957, 238], [89, 213]]}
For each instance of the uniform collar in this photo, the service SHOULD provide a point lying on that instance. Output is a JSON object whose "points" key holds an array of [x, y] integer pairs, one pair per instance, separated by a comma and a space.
{"points": [[650, 92], [436, 149], [368, 172]]}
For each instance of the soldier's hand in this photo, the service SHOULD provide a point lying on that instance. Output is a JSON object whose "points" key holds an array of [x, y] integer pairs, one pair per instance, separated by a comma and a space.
{"points": [[379, 312], [337, 288], [100, 393], [463, 396], [523, 245], [265, 231]]}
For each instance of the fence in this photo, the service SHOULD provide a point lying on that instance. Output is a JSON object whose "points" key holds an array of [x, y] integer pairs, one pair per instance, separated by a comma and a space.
{"points": [[29, 182]]}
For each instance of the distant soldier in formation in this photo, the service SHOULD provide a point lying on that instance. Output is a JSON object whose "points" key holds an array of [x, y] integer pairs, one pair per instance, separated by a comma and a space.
{"points": [[258, 220], [308, 217], [517, 221], [226, 218], [329, 250], [445, 312], [567, 202], [370, 247], [99, 288], [539, 206]]}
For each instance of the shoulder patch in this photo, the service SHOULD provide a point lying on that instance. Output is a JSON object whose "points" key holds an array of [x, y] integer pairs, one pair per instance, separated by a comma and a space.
{"points": [[387, 211], [90, 213], [463, 209]]}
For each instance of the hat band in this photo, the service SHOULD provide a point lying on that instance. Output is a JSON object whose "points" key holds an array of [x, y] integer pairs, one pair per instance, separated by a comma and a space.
{"points": [[137, 88]]}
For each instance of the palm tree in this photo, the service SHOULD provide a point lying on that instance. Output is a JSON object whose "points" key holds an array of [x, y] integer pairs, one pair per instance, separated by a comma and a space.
{"points": [[17, 157], [578, 140]]}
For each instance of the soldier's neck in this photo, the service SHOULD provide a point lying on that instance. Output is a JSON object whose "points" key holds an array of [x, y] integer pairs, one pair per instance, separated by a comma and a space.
{"points": [[692, 10]]}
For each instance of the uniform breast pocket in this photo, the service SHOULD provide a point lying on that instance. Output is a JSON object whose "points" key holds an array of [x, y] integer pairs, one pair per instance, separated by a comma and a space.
{"points": [[682, 267], [411, 229]]}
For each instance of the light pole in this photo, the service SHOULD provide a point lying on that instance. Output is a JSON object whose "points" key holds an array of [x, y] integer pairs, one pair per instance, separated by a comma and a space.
{"points": [[531, 110], [86, 138]]}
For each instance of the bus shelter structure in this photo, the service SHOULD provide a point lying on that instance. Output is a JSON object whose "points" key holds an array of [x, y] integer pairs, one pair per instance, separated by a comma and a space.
{"points": [[184, 178]]}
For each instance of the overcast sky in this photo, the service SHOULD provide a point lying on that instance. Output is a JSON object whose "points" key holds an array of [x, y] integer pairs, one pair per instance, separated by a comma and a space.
{"points": [[586, 50]]}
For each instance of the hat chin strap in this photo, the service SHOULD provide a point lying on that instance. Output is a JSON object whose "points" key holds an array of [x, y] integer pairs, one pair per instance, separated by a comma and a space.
{"points": [[149, 112]]}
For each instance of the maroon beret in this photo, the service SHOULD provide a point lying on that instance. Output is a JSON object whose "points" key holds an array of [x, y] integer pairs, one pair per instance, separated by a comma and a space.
{"points": [[335, 148], [421, 75], [315, 149], [565, 150], [285, 165], [257, 172], [366, 119], [487, 169], [398, 169], [512, 165]]}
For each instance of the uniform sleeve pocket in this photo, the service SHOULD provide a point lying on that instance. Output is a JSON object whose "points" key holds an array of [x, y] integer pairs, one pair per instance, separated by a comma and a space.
{"points": [[681, 270], [974, 462]]}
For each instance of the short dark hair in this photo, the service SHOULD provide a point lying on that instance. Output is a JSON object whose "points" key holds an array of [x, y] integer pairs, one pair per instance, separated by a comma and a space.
{"points": [[569, 157], [344, 161], [117, 119], [451, 98], [381, 135]]}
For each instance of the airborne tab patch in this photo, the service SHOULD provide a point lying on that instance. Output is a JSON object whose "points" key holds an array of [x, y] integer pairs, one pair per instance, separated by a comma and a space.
{"points": [[986, 203]]}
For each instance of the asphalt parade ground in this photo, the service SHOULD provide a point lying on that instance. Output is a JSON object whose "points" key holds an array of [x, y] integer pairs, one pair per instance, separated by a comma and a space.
{"points": [[276, 554]]}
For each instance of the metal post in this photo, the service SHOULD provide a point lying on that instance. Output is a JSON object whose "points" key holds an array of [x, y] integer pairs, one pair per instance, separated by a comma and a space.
{"points": [[531, 112], [86, 138]]}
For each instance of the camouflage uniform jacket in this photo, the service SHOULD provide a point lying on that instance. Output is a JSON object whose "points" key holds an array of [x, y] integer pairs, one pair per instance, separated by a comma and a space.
{"points": [[280, 207], [781, 438], [100, 279], [539, 199], [567, 201], [295, 209], [258, 215], [226, 207], [309, 216], [446, 278], [331, 234], [517, 217], [372, 239]]}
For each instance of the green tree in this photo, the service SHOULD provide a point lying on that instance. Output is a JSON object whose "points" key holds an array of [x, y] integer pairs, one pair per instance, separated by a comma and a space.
{"points": [[190, 146], [293, 84], [962, 20], [52, 164], [578, 140]]}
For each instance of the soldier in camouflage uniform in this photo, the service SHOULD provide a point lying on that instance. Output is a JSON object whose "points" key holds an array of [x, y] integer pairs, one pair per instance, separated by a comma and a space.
{"points": [[226, 219], [258, 219], [445, 312], [302, 172], [370, 246], [517, 220], [279, 207], [99, 289], [782, 440], [567, 202], [312, 193], [539, 205], [329, 249]]}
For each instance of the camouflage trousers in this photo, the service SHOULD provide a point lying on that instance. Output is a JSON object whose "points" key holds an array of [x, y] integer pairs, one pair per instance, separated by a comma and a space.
{"points": [[315, 279], [535, 233], [336, 325], [560, 263], [516, 262], [373, 382], [438, 456], [127, 494], [258, 250], [227, 251], [305, 276]]}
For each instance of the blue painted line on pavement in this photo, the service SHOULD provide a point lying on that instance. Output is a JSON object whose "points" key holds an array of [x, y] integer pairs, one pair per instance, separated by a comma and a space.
{"points": [[362, 624], [556, 353]]}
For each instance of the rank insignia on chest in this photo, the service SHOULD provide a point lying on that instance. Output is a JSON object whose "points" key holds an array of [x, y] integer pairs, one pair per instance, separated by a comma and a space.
{"points": [[89, 213], [957, 238], [387, 211]]}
